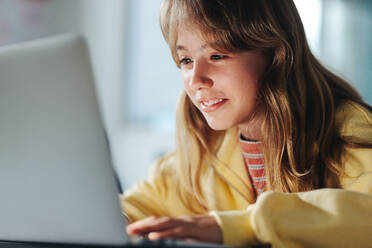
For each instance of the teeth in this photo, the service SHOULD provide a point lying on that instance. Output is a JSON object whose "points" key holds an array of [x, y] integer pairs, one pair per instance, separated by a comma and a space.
{"points": [[212, 102]]}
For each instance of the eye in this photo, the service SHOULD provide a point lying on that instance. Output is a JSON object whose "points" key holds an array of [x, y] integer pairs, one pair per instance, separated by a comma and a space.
{"points": [[185, 61], [218, 57]]}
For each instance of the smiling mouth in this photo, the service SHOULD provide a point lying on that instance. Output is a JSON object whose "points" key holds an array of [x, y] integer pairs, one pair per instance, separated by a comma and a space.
{"points": [[212, 105]]}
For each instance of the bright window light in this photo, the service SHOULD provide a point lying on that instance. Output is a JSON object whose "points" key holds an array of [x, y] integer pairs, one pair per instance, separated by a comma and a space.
{"points": [[311, 15]]}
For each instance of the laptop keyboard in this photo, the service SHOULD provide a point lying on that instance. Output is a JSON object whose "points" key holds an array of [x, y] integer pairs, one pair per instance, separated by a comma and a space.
{"points": [[144, 242]]}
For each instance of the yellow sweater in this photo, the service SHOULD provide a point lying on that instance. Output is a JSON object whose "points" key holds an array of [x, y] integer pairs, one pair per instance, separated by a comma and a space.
{"points": [[319, 218]]}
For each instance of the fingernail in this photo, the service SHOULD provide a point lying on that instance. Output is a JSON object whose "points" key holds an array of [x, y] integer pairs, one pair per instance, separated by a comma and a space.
{"points": [[153, 236], [130, 230]]}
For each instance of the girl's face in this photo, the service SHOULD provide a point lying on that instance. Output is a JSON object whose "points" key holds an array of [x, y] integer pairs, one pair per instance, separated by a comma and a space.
{"points": [[223, 86]]}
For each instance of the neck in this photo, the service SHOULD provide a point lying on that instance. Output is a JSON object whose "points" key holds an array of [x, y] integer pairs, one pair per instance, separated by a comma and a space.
{"points": [[252, 130]]}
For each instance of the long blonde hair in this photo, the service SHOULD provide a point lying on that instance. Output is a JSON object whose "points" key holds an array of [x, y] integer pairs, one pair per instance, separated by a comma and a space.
{"points": [[302, 144]]}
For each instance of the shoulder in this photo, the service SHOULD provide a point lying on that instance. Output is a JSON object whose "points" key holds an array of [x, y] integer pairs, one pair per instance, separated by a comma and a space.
{"points": [[357, 174], [165, 166], [354, 123]]}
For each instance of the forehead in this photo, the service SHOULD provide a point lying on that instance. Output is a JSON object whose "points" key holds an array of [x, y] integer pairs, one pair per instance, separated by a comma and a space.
{"points": [[186, 35], [190, 38]]}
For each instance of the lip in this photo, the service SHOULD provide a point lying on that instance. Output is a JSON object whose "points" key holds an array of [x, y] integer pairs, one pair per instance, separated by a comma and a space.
{"points": [[212, 107]]}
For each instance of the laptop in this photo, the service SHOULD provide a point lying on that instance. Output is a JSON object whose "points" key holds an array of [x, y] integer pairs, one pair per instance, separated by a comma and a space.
{"points": [[57, 184]]}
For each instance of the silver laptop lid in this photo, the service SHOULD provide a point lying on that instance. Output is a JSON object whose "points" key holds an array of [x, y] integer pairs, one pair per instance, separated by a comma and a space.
{"points": [[56, 179]]}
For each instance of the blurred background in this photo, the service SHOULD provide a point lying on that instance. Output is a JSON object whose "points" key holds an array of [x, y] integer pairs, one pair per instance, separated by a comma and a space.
{"points": [[138, 83]]}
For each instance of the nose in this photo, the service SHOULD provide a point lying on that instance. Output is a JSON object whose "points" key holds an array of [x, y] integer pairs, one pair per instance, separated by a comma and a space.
{"points": [[200, 77]]}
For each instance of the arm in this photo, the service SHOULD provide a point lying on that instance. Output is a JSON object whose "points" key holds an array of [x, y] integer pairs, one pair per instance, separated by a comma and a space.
{"points": [[148, 205], [156, 196], [319, 218]]}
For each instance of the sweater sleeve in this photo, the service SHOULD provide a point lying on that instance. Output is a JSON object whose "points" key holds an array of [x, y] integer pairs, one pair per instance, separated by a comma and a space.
{"points": [[319, 218], [156, 196]]}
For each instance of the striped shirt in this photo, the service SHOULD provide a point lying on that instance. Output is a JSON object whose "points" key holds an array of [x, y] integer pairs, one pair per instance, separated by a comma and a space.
{"points": [[254, 162]]}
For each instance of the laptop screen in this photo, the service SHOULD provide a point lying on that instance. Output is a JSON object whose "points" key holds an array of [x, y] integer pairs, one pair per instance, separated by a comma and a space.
{"points": [[57, 182]]}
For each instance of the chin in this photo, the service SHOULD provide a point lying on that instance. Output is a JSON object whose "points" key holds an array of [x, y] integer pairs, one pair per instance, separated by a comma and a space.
{"points": [[218, 125]]}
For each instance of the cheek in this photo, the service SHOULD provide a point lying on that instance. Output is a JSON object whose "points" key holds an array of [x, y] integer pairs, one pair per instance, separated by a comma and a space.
{"points": [[186, 85], [188, 90], [249, 94]]}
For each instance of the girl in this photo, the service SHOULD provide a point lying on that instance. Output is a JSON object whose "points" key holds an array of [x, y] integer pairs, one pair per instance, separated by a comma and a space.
{"points": [[272, 148]]}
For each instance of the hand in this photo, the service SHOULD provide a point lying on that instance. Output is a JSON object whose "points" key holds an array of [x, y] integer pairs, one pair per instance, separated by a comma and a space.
{"points": [[189, 228]]}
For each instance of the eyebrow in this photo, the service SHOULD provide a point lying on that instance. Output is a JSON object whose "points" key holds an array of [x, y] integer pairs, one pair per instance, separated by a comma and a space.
{"points": [[183, 48]]}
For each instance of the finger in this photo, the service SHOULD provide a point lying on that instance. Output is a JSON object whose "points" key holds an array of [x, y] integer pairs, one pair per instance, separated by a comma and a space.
{"points": [[151, 224], [200, 228], [191, 240], [135, 227], [179, 232]]}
